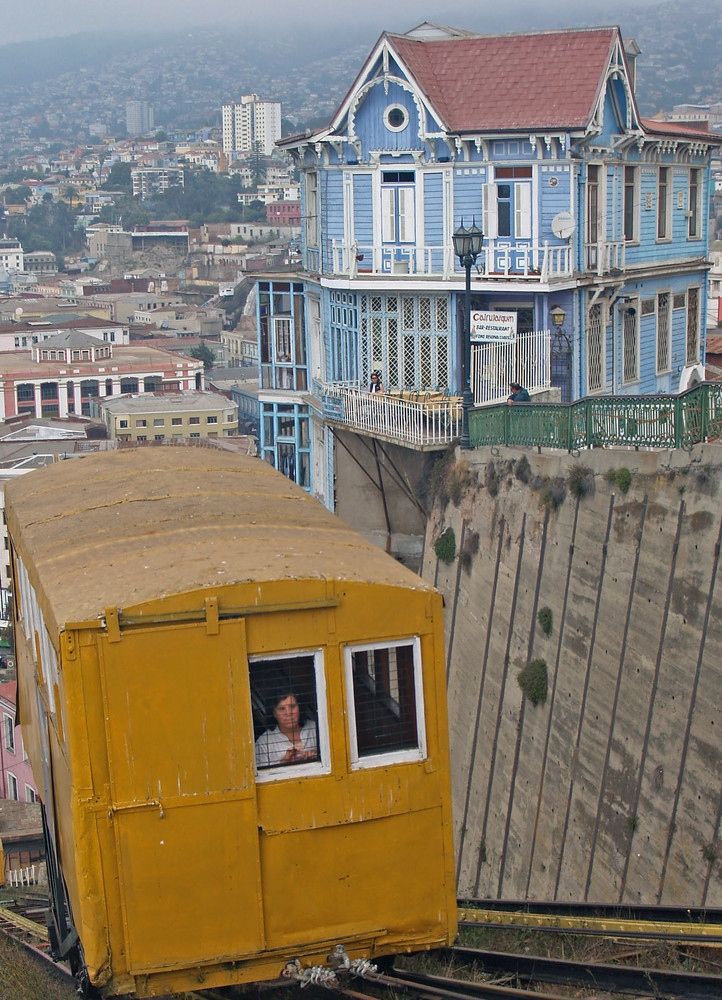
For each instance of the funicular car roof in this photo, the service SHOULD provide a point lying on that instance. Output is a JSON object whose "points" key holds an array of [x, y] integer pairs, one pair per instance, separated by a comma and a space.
{"points": [[131, 526]]}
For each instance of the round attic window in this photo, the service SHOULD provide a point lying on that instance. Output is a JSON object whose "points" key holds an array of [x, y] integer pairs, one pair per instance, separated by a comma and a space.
{"points": [[396, 117]]}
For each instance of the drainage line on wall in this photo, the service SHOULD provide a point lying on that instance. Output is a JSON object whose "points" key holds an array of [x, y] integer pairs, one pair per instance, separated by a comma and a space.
{"points": [[550, 715], [582, 706], [500, 707], [615, 703], [688, 728], [475, 738], [522, 707], [652, 695]]}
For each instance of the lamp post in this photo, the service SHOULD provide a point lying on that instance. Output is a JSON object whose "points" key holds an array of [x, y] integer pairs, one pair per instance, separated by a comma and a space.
{"points": [[467, 247]]}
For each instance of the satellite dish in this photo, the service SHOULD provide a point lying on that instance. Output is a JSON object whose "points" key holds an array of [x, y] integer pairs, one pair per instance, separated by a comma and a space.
{"points": [[19, 311], [563, 225]]}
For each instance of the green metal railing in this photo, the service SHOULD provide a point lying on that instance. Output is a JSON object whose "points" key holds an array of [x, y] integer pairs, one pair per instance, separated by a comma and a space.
{"points": [[625, 421]]}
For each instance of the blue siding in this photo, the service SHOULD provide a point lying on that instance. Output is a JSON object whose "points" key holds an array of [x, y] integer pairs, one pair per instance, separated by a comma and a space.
{"points": [[554, 199], [468, 194], [331, 214], [363, 217], [370, 120], [433, 208]]}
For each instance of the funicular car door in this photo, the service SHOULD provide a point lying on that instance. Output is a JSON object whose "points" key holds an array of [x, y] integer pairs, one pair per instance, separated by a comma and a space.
{"points": [[182, 791]]}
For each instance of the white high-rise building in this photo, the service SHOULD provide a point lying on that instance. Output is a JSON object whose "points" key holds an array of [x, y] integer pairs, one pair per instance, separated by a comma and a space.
{"points": [[251, 121], [139, 117]]}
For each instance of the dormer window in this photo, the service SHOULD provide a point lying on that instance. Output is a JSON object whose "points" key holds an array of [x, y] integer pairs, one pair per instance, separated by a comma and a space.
{"points": [[396, 117]]}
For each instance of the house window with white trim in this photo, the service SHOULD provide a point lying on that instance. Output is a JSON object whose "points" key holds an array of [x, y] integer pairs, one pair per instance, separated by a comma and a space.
{"points": [[290, 728], [694, 223], [12, 784], [664, 329], [630, 345], [507, 204], [631, 204], [664, 205], [384, 693], [9, 733], [596, 374], [398, 201], [692, 326]]}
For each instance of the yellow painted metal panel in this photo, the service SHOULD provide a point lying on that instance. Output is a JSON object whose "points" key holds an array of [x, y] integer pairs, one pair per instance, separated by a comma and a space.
{"points": [[182, 793]]}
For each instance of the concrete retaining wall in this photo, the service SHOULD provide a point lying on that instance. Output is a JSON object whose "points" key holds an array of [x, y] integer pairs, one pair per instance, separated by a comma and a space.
{"points": [[611, 789]]}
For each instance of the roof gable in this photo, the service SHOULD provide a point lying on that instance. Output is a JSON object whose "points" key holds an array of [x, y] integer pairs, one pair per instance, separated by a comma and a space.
{"points": [[549, 79]]}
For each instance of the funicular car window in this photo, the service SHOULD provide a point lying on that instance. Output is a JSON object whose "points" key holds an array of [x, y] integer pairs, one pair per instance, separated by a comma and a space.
{"points": [[386, 707], [289, 715]]}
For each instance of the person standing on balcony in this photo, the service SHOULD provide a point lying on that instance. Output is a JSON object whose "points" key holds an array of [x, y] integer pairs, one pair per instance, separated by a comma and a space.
{"points": [[518, 394], [376, 383]]}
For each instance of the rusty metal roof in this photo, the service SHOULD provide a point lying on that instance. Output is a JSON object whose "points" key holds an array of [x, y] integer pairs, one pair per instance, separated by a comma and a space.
{"points": [[128, 527]]}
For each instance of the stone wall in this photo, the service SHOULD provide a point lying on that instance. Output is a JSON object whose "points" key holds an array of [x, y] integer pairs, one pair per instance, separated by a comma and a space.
{"points": [[610, 789]]}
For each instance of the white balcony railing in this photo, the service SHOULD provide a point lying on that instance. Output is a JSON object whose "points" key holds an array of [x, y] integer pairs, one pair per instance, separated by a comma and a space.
{"points": [[604, 256], [497, 261], [418, 419], [426, 419]]}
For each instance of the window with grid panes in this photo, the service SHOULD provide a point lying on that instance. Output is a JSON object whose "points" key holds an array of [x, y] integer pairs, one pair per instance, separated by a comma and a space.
{"points": [[630, 345], [692, 326], [385, 702], [595, 349], [663, 333]]}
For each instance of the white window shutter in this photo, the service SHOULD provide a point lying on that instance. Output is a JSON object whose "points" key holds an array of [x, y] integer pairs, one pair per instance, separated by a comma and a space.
{"points": [[388, 215], [490, 226], [522, 208], [406, 215]]}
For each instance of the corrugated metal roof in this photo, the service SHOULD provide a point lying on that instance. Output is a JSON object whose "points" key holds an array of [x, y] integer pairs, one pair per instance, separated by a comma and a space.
{"points": [[124, 528]]}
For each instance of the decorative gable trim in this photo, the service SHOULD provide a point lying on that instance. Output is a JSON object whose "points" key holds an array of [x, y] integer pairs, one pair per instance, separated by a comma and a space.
{"points": [[382, 54], [617, 70]]}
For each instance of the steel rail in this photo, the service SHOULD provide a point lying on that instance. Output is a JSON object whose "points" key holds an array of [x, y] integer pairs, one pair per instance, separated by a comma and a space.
{"points": [[626, 911], [606, 926], [454, 989], [597, 975]]}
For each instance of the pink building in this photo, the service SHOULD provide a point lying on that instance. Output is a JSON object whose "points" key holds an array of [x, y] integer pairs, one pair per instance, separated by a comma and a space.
{"points": [[16, 777], [284, 213]]}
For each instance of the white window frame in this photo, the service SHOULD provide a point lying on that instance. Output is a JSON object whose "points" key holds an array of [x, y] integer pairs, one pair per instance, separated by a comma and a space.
{"points": [[694, 212], [667, 367], [311, 767], [664, 212], [634, 305], [8, 733], [12, 787], [386, 757], [31, 794], [636, 195]]}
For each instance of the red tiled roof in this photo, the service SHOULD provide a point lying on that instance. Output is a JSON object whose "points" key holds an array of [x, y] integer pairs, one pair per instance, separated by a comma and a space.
{"points": [[653, 125], [547, 79]]}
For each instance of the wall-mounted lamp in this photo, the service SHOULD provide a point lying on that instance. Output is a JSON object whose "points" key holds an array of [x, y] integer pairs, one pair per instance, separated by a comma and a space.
{"points": [[557, 314]]}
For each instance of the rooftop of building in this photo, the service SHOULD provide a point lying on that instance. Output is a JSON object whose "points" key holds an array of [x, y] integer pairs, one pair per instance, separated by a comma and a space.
{"points": [[165, 402], [133, 357]]}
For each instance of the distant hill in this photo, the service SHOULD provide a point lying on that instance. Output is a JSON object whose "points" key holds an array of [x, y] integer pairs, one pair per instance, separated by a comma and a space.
{"points": [[188, 74]]}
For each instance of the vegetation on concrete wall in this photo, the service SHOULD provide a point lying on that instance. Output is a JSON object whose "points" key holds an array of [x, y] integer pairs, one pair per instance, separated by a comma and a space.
{"points": [[533, 681], [445, 546]]}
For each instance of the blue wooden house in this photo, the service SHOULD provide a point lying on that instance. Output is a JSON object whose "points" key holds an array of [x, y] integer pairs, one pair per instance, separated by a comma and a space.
{"points": [[592, 276]]}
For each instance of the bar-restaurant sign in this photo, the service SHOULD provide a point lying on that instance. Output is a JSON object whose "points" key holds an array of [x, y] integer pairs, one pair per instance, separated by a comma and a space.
{"points": [[487, 326]]}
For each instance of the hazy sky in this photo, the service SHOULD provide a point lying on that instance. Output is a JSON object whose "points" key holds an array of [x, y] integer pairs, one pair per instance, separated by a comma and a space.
{"points": [[48, 18]]}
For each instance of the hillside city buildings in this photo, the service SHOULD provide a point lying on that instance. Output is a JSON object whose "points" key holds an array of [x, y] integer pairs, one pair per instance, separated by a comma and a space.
{"points": [[139, 117], [251, 125]]}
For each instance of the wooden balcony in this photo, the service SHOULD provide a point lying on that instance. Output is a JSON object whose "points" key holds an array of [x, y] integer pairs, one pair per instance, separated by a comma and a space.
{"points": [[604, 256]]}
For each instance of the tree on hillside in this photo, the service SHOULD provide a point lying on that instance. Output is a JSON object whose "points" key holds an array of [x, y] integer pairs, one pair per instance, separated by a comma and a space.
{"points": [[203, 353], [118, 178]]}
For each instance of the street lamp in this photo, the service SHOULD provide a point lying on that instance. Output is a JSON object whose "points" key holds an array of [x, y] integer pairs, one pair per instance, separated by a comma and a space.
{"points": [[467, 247]]}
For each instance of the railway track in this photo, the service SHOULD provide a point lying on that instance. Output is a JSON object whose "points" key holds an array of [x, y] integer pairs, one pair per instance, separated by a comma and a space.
{"points": [[18, 921], [652, 923]]}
